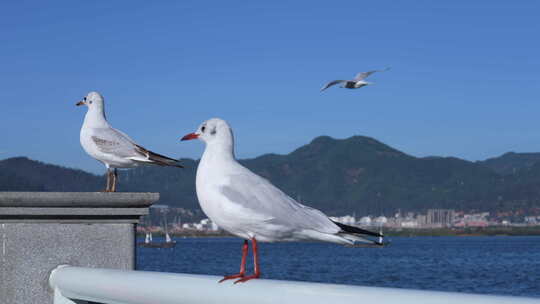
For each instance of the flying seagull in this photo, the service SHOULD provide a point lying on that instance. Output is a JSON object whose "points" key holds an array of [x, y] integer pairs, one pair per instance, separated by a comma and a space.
{"points": [[251, 208], [356, 83], [113, 147]]}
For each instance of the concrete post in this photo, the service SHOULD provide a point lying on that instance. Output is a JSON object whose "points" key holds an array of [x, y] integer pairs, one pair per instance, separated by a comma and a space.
{"points": [[41, 230]]}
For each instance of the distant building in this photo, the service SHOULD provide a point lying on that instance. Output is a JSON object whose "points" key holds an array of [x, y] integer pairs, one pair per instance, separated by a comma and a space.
{"points": [[440, 217], [421, 219], [203, 225], [409, 224], [365, 221], [477, 224], [532, 220], [473, 220], [381, 221], [346, 219]]}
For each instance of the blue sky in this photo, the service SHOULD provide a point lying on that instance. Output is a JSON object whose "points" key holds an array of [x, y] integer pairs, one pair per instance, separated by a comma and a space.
{"points": [[464, 80]]}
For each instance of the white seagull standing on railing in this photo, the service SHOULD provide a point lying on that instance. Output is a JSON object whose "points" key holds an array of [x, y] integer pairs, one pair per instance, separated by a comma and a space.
{"points": [[356, 83], [113, 147], [251, 208]]}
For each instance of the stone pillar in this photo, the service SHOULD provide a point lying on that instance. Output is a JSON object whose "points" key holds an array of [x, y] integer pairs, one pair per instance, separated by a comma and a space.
{"points": [[41, 230]]}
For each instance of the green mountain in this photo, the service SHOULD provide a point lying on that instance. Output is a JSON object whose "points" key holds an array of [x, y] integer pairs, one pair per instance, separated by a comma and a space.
{"points": [[364, 175], [511, 162], [358, 174], [23, 174]]}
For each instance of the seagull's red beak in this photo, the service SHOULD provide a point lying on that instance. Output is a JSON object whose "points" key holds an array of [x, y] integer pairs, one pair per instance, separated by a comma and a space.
{"points": [[190, 136], [80, 103]]}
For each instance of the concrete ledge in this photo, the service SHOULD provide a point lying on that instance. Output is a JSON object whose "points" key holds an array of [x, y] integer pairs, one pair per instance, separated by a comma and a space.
{"points": [[41, 230], [77, 199], [73, 207]]}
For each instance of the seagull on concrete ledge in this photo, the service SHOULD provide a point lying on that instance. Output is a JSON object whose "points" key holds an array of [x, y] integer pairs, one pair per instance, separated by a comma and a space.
{"points": [[113, 147], [356, 83], [251, 208]]}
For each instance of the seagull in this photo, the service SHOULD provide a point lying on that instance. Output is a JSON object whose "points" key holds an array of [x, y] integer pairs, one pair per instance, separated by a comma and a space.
{"points": [[113, 147], [250, 207], [356, 83]]}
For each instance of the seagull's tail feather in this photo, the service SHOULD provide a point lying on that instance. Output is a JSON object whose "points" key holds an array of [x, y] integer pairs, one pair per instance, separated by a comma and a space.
{"points": [[164, 160], [159, 159], [354, 234], [356, 230]]}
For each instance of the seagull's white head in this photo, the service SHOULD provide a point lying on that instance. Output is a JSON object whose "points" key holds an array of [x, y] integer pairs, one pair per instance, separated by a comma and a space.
{"points": [[215, 132], [93, 100]]}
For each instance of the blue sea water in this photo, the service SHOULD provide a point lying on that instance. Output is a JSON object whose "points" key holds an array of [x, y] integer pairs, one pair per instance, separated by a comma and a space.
{"points": [[489, 265]]}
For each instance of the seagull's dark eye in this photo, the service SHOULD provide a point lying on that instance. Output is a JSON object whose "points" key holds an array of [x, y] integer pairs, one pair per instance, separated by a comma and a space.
{"points": [[203, 128], [84, 99], [90, 102]]}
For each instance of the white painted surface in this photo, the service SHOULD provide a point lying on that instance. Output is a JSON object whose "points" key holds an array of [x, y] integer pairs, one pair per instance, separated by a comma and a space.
{"points": [[141, 287]]}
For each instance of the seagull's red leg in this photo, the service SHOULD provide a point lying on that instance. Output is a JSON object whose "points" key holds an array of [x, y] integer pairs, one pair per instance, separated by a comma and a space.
{"points": [[242, 265], [257, 273]]}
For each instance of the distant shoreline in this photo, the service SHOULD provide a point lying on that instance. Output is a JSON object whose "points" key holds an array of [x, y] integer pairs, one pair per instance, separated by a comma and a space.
{"points": [[408, 232], [470, 231]]}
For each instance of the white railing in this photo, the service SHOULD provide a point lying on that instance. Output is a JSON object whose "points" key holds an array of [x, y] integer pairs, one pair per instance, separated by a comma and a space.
{"points": [[74, 285]]}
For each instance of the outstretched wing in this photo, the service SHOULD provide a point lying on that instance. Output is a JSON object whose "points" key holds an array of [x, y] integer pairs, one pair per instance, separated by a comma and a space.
{"points": [[364, 75], [331, 83]]}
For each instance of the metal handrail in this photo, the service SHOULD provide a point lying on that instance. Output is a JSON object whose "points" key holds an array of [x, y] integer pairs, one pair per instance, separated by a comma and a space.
{"points": [[75, 284]]}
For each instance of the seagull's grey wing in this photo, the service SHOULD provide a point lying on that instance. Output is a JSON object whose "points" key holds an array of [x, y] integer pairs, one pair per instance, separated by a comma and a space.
{"points": [[109, 140], [124, 135], [364, 75], [264, 199], [331, 83], [118, 143]]}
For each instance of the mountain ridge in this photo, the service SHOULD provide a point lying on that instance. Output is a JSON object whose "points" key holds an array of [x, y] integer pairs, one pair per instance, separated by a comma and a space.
{"points": [[356, 174], [511, 162]]}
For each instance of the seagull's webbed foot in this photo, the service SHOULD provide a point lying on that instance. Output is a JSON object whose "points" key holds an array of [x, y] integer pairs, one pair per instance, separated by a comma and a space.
{"points": [[247, 278], [232, 276], [242, 265]]}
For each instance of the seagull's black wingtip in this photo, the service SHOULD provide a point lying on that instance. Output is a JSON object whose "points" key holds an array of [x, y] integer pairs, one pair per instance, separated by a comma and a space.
{"points": [[356, 230]]}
